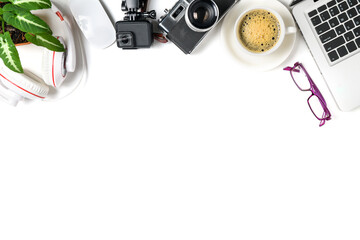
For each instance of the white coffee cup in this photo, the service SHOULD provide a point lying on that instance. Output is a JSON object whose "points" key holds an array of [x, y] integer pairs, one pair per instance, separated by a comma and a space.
{"points": [[283, 31]]}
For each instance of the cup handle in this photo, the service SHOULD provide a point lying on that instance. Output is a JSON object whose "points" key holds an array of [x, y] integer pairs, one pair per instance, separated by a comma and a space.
{"points": [[290, 30]]}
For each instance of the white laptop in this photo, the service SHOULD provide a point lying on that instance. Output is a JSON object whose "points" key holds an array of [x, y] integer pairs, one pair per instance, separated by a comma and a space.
{"points": [[331, 29]]}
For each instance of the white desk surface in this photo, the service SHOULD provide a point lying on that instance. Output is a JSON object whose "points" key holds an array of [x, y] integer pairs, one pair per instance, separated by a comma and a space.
{"points": [[160, 145]]}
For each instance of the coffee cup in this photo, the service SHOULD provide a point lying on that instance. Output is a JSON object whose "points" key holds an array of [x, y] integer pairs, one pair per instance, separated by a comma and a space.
{"points": [[260, 31]]}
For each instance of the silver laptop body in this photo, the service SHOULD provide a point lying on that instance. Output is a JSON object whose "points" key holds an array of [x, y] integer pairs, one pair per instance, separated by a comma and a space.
{"points": [[331, 29]]}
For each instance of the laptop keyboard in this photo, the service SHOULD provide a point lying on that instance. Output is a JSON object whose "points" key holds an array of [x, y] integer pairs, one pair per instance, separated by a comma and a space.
{"points": [[337, 25]]}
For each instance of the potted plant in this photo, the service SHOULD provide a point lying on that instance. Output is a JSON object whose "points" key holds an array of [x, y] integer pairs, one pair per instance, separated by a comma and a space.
{"points": [[19, 25]]}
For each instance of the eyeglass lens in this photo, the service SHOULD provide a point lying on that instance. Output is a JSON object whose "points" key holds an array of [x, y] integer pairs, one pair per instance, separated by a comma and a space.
{"points": [[300, 78], [317, 107]]}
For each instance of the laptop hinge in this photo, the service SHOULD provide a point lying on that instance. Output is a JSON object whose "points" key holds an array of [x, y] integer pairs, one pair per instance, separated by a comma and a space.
{"points": [[294, 2]]}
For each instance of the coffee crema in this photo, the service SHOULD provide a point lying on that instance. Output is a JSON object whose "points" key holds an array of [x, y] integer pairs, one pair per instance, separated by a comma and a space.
{"points": [[259, 31]]}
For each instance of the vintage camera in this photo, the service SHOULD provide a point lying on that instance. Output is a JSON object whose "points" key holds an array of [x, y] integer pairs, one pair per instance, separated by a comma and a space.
{"points": [[135, 31], [188, 22]]}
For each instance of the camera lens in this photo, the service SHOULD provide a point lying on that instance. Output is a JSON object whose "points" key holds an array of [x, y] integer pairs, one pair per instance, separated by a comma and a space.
{"points": [[202, 15], [125, 40]]}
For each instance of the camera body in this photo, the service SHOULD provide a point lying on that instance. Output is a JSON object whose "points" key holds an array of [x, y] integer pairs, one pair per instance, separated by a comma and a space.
{"points": [[188, 21], [134, 34], [135, 31]]}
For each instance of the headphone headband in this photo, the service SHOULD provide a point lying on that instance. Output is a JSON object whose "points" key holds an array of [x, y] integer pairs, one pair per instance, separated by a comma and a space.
{"points": [[71, 56]]}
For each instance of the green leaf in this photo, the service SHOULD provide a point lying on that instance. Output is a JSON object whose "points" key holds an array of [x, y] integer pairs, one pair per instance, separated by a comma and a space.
{"points": [[12, 8], [46, 40], [24, 20], [9, 53], [32, 4]]}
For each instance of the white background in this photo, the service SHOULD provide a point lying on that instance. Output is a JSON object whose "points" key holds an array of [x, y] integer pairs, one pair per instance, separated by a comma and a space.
{"points": [[160, 145]]}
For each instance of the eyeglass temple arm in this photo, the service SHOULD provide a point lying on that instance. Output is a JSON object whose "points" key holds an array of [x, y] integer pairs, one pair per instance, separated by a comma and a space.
{"points": [[291, 69]]}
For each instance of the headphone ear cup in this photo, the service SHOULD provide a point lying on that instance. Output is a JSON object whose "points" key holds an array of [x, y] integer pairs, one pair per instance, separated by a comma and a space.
{"points": [[23, 85], [53, 66]]}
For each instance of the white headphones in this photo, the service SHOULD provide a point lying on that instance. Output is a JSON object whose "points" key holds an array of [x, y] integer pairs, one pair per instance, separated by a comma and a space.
{"points": [[55, 66]]}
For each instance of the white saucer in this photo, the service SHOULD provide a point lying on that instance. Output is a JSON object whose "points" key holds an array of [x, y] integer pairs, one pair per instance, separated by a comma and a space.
{"points": [[258, 63]]}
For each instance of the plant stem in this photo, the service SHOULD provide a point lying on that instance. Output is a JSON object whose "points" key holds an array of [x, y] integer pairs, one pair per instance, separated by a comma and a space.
{"points": [[3, 26]]}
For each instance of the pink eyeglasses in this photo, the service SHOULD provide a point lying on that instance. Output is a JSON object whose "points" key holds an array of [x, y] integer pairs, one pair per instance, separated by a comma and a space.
{"points": [[316, 101]]}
